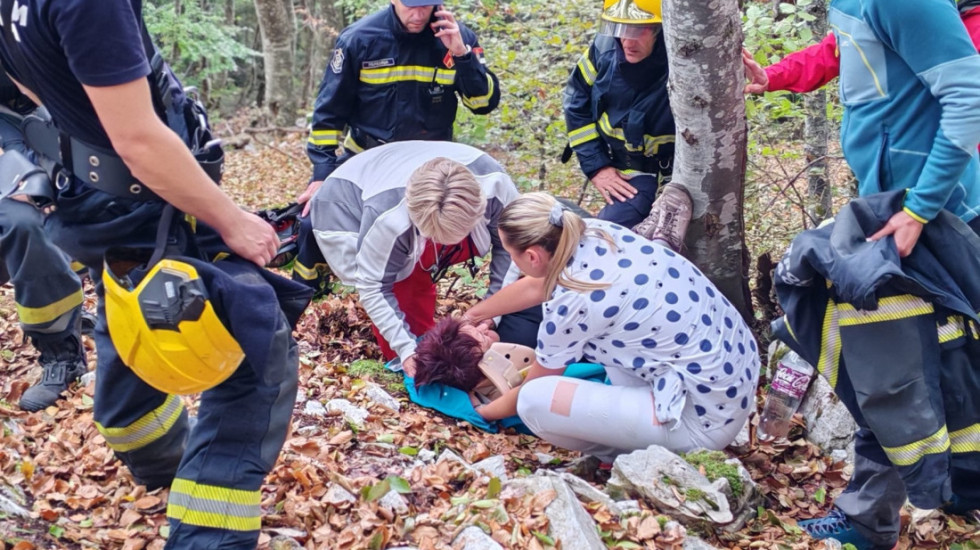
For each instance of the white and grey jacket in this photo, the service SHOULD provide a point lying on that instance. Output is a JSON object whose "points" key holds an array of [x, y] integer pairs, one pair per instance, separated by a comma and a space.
{"points": [[360, 220]]}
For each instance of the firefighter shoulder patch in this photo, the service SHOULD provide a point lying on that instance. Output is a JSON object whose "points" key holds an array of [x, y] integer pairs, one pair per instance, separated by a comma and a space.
{"points": [[337, 63]]}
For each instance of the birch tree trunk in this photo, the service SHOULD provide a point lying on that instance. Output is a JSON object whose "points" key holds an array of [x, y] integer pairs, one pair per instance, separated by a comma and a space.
{"points": [[278, 28], [704, 41], [815, 132]]}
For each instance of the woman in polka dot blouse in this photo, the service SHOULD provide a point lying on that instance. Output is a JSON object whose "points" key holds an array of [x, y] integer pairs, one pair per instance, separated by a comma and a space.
{"points": [[682, 363]]}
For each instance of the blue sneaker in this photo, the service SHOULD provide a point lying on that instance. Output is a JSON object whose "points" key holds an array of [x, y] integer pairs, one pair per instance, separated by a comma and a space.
{"points": [[835, 525]]}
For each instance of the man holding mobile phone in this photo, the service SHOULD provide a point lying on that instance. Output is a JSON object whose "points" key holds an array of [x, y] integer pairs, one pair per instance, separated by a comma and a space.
{"points": [[393, 76]]}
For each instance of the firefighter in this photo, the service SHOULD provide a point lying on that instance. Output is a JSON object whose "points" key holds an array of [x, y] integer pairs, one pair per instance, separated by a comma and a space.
{"points": [[133, 148], [47, 292], [617, 110], [393, 76]]}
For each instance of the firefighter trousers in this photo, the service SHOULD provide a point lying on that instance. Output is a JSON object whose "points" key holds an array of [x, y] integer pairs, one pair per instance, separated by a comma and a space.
{"points": [[215, 470], [46, 291]]}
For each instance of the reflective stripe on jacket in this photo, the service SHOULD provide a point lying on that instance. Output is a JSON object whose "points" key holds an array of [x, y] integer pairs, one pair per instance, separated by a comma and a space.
{"points": [[385, 84], [618, 113]]}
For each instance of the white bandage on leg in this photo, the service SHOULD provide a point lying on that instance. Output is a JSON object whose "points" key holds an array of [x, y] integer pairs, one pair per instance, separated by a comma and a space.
{"points": [[595, 418]]}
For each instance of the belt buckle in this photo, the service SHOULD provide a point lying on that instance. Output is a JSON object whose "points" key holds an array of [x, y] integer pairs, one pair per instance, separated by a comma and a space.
{"points": [[62, 180]]}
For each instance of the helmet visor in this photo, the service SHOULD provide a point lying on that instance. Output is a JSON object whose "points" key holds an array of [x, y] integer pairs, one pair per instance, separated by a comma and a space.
{"points": [[630, 31]]}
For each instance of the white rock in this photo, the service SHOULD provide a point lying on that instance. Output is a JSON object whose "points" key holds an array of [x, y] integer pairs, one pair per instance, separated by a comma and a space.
{"points": [[337, 495], [315, 408], [307, 431], [567, 519], [12, 502], [426, 455], [473, 538], [394, 502], [355, 415], [87, 378], [666, 481], [378, 395], [829, 424], [494, 466]]}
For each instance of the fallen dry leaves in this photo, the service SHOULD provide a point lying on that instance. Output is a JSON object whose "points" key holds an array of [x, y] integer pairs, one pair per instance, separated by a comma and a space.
{"points": [[80, 497]]}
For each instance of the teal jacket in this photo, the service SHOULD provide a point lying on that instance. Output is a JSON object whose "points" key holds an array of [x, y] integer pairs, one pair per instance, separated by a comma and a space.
{"points": [[910, 86]]}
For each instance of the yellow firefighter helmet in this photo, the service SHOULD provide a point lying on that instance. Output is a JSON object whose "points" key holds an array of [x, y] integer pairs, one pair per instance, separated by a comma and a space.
{"points": [[629, 18], [166, 329]]}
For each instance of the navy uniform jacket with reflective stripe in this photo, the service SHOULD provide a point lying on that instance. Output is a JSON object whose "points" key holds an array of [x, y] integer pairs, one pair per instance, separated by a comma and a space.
{"points": [[387, 84], [831, 277], [618, 113]]}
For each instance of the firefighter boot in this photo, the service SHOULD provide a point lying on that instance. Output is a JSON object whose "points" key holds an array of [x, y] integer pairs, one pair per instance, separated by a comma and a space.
{"points": [[63, 362], [669, 217]]}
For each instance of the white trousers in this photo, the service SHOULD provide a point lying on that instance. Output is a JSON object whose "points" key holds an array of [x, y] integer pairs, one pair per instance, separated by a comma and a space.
{"points": [[608, 420]]}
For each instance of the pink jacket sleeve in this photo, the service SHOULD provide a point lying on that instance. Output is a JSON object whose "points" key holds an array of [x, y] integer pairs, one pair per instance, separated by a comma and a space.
{"points": [[807, 69]]}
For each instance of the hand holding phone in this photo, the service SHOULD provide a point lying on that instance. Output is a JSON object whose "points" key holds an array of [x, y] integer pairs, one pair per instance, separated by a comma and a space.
{"points": [[446, 29]]}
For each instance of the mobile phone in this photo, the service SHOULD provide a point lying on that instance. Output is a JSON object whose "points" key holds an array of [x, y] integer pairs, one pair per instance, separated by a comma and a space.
{"points": [[436, 8]]}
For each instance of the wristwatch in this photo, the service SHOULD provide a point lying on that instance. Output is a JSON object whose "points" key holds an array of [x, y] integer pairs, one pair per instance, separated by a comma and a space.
{"points": [[468, 50]]}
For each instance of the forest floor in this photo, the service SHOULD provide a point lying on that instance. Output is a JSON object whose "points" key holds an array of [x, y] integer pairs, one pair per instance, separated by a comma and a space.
{"points": [[81, 497]]}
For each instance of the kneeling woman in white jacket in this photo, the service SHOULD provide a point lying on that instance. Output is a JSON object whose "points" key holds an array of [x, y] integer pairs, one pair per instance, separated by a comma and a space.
{"points": [[682, 364]]}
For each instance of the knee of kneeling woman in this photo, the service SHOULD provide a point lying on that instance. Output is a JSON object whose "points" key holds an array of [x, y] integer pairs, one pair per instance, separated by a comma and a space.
{"points": [[534, 399]]}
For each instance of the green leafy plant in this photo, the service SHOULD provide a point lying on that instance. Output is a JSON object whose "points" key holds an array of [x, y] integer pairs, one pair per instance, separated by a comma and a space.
{"points": [[197, 43]]}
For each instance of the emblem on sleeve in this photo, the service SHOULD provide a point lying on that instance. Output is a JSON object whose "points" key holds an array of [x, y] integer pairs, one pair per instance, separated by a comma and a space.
{"points": [[337, 63]]}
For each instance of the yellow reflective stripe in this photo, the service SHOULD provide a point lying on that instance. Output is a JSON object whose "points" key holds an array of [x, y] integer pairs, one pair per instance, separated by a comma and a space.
{"points": [[864, 59], [213, 506], [324, 137], [77, 266], [889, 309], [587, 69], [50, 312], [952, 330], [477, 102], [351, 145], [152, 426], [308, 273], [907, 455], [607, 128], [966, 440], [582, 135], [408, 73], [651, 144], [830, 345], [915, 216]]}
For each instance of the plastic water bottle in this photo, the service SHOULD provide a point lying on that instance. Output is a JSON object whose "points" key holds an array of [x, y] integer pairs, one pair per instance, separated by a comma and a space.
{"points": [[785, 394]]}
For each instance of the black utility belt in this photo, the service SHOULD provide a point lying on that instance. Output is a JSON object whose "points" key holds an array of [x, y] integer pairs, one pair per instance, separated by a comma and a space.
{"points": [[95, 166], [100, 168]]}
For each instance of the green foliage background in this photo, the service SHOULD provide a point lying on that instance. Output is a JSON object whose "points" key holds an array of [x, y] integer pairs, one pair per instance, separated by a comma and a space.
{"points": [[532, 45]]}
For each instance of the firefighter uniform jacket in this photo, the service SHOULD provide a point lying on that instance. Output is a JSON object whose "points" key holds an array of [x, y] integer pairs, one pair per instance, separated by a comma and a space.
{"points": [[896, 339], [386, 84], [617, 113]]}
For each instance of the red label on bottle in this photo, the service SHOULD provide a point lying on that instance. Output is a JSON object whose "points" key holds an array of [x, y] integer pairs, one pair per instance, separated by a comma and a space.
{"points": [[790, 382]]}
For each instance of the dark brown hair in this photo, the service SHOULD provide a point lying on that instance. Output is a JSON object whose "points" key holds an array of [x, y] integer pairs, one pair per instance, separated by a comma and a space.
{"points": [[447, 356]]}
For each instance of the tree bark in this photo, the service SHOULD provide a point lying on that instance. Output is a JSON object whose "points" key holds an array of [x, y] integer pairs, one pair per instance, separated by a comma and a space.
{"points": [[815, 133], [325, 20], [704, 41], [278, 29]]}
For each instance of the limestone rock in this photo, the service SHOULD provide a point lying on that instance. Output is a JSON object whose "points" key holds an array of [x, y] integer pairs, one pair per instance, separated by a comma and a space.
{"points": [[353, 414], [672, 485], [337, 495], [377, 395], [473, 538], [315, 408], [568, 520], [829, 424], [494, 466]]}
